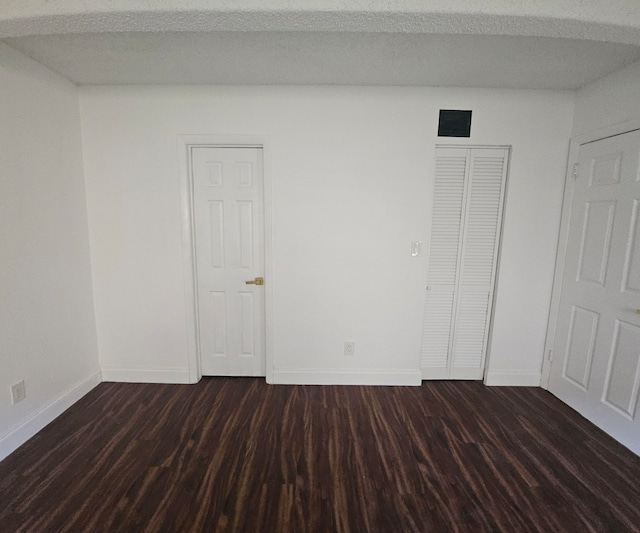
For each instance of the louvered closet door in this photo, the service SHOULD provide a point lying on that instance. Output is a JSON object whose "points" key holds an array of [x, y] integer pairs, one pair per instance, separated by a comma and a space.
{"points": [[468, 198], [446, 236]]}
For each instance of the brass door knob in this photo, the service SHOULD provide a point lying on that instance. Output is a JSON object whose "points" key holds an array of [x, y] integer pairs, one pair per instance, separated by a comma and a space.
{"points": [[256, 281]]}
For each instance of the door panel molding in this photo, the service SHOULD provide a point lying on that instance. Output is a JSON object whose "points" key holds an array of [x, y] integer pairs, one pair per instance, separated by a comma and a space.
{"points": [[185, 143]]}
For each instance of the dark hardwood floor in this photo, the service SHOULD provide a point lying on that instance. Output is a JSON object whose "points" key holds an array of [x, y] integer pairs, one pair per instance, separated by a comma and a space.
{"points": [[240, 455]]}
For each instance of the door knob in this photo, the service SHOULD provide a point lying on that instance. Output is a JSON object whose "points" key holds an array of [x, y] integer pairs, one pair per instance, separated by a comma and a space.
{"points": [[256, 281]]}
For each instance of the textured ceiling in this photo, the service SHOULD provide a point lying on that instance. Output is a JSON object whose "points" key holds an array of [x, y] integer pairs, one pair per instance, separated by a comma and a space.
{"points": [[603, 20], [326, 58], [541, 44]]}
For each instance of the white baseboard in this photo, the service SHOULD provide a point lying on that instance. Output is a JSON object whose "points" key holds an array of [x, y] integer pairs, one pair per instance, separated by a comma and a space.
{"points": [[145, 375], [28, 427], [347, 377], [513, 378]]}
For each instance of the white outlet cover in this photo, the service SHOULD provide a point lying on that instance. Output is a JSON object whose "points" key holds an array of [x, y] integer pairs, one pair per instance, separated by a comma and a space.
{"points": [[349, 348], [18, 392]]}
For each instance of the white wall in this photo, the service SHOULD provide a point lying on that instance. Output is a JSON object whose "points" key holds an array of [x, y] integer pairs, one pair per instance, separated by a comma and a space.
{"points": [[611, 100], [47, 326], [352, 180]]}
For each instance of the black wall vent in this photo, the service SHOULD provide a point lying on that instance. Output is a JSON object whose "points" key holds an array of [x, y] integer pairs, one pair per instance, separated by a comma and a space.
{"points": [[454, 123]]}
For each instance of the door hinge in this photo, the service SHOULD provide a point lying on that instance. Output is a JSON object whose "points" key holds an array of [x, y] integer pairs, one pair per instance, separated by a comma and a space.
{"points": [[550, 356], [574, 173]]}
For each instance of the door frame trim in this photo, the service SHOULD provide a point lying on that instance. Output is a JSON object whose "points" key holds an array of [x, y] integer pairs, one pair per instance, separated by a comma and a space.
{"points": [[574, 152], [185, 144]]}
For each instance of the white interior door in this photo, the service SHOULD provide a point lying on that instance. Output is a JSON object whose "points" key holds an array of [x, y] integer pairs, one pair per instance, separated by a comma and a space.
{"points": [[229, 241], [597, 343], [463, 251]]}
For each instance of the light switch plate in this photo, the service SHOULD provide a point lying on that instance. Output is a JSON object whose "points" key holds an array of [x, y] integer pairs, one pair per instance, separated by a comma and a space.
{"points": [[18, 392], [416, 248], [349, 348]]}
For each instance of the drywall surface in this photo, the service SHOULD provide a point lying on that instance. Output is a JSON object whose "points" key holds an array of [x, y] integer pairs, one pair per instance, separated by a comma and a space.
{"points": [[47, 326], [610, 20], [352, 176], [612, 100]]}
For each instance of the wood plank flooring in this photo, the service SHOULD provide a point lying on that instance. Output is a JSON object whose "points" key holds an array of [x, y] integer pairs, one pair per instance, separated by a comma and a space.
{"points": [[236, 454]]}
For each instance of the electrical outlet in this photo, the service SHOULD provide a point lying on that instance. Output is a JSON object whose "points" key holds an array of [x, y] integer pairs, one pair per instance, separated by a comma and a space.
{"points": [[18, 392], [349, 348]]}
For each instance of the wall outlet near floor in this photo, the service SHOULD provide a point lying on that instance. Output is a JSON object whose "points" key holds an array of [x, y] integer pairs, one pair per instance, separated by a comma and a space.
{"points": [[18, 392], [349, 348]]}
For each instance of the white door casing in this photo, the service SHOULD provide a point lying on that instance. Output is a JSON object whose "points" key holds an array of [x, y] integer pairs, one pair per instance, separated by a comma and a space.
{"points": [[466, 224], [596, 367], [228, 226]]}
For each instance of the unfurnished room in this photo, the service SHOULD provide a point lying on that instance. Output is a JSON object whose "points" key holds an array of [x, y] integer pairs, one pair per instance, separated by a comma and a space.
{"points": [[319, 266]]}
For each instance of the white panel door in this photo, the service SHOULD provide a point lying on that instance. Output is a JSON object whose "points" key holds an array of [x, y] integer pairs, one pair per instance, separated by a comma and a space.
{"points": [[465, 231], [597, 344], [229, 242]]}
